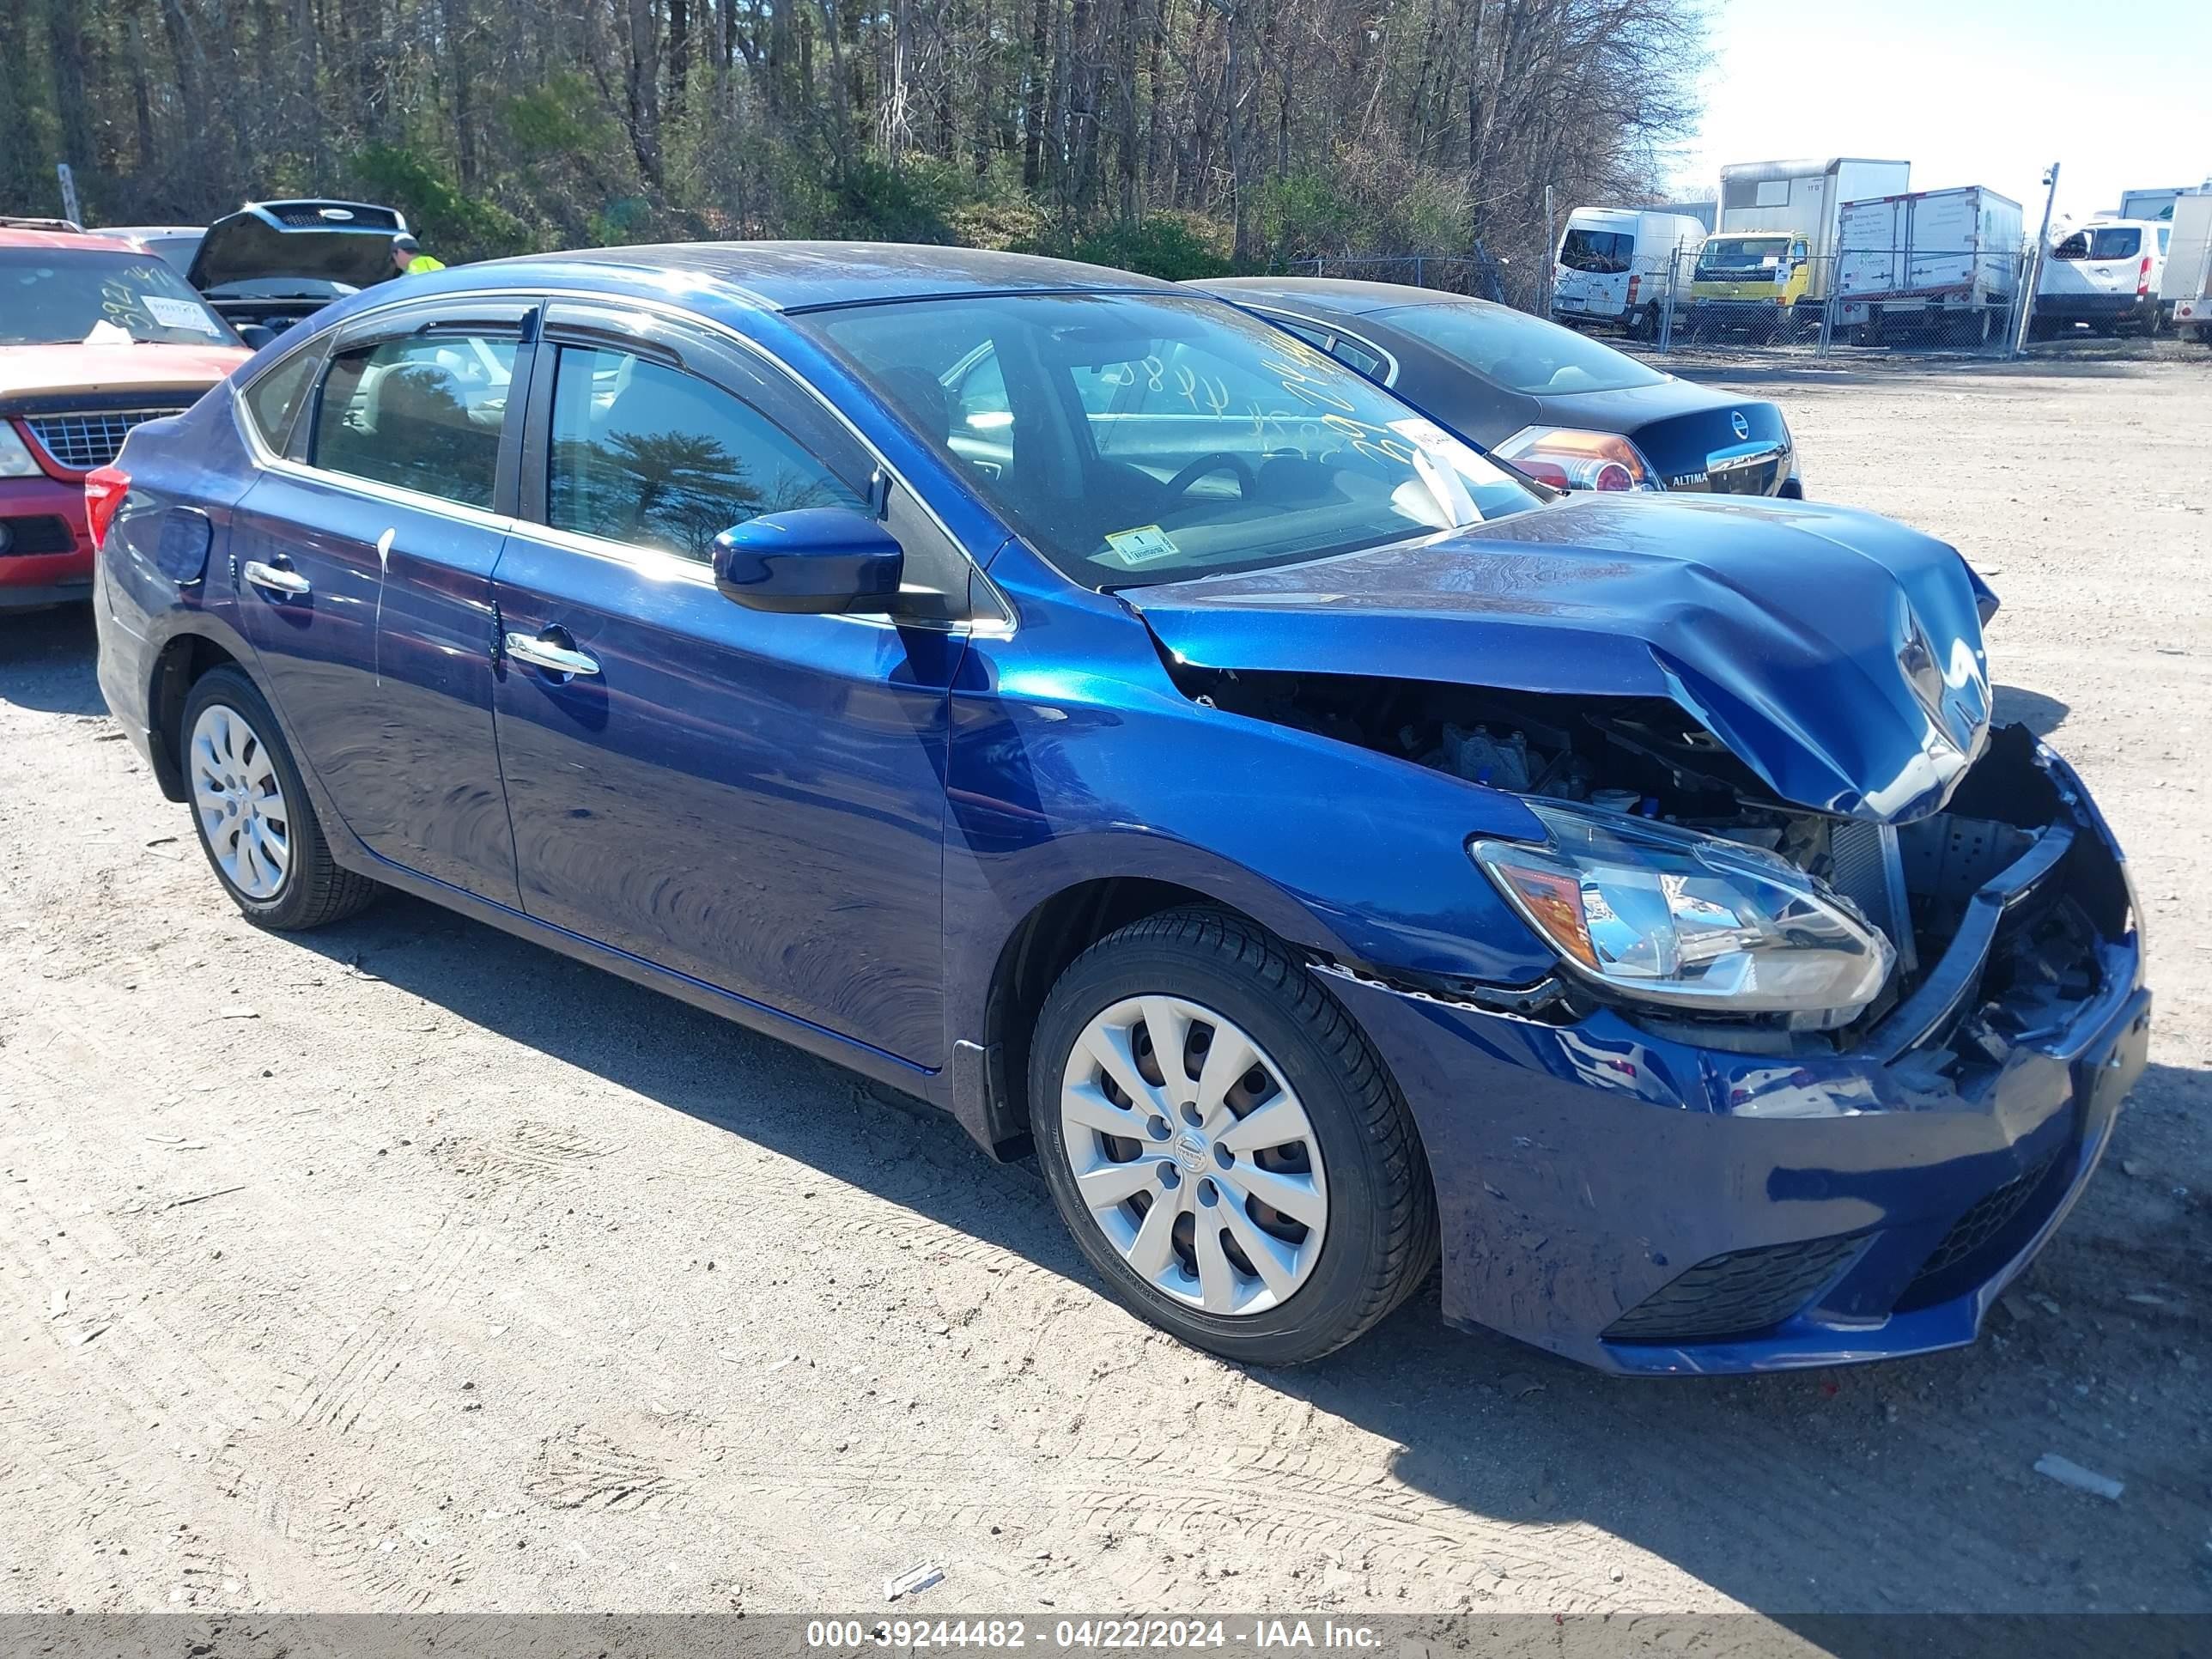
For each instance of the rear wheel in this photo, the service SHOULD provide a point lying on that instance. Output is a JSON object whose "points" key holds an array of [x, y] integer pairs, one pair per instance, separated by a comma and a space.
{"points": [[252, 811], [1225, 1145]]}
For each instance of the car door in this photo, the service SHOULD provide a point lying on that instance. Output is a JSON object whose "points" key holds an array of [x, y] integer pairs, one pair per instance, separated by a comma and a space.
{"points": [[753, 800], [364, 559]]}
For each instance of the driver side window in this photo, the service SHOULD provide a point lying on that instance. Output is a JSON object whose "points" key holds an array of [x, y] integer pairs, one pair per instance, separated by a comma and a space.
{"points": [[648, 455]]}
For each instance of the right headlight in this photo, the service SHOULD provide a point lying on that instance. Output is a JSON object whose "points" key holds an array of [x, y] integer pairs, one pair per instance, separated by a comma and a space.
{"points": [[1689, 920]]}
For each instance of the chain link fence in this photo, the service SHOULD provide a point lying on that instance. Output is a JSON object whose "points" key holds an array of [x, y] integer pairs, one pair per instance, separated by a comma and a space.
{"points": [[1963, 301], [1479, 275]]}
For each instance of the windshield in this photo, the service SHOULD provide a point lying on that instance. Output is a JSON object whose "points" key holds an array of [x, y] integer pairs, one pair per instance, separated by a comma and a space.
{"points": [[1601, 252], [1139, 439], [1519, 352], [1740, 256], [54, 296]]}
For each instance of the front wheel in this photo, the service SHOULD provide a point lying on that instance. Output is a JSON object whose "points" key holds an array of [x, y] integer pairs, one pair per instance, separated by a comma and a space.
{"points": [[1224, 1144], [252, 811]]}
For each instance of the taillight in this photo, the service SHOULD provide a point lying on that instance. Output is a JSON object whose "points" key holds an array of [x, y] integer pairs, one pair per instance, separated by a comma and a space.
{"points": [[1632, 282], [1569, 458], [2142, 277], [105, 487]]}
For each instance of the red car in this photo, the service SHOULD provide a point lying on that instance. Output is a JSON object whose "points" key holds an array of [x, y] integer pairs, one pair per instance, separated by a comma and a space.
{"points": [[95, 338]]}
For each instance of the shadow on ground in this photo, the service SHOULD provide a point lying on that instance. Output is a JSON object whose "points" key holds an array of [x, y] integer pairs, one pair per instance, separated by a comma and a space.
{"points": [[2040, 713], [47, 661]]}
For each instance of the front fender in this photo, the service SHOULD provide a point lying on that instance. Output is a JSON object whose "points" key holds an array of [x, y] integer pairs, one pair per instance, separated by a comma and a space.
{"points": [[1058, 777]]}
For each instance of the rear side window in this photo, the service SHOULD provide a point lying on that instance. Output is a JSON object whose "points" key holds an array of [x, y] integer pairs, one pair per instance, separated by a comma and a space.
{"points": [[1353, 354], [275, 397], [419, 414], [1602, 252], [650, 456]]}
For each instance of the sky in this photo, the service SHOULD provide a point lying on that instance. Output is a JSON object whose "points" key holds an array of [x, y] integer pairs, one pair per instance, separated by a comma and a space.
{"points": [[1970, 92]]}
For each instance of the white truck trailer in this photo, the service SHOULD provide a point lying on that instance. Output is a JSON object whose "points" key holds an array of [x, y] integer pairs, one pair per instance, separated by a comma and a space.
{"points": [[2185, 287], [1935, 262]]}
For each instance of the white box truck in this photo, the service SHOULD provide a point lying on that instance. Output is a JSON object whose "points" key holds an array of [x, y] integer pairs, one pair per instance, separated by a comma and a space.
{"points": [[1613, 265], [2184, 288], [1767, 268], [1935, 262]]}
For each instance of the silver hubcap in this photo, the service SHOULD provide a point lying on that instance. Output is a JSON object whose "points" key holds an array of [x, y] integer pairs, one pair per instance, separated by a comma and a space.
{"points": [[239, 802], [1194, 1155]]}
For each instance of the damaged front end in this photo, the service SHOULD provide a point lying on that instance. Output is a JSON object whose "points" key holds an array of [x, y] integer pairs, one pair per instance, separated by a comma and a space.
{"points": [[1884, 1057], [1844, 983], [1675, 883]]}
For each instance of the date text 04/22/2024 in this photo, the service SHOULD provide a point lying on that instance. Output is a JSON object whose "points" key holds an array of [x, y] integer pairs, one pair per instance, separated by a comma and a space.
{"points": [[1268, 1634]]}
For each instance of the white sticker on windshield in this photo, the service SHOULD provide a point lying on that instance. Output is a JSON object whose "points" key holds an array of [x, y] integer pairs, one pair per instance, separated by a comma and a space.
{"points": [[1146, 545], [178, 313]]}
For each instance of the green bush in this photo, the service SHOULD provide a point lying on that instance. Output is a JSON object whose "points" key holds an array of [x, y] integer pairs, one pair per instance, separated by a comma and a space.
{"points": [[454, 227], [913, 202], [1175, 246]]}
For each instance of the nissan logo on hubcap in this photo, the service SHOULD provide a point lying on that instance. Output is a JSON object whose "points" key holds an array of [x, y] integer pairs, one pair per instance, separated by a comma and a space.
{"points": [[1190, 1150], [1742, 427]]}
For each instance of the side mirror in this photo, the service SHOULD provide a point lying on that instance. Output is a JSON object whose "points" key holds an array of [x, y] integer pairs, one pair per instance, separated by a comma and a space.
{"points": [[817, 560], [256, 335]]}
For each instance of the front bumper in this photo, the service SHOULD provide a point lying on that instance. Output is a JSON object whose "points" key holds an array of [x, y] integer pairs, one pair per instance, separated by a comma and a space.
{"points": [[45, 551], [1647, 1206]]}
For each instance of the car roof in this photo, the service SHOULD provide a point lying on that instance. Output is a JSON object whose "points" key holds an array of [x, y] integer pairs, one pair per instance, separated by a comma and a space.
{"points": [[800, 276], [1345, 297], [80, 241]]}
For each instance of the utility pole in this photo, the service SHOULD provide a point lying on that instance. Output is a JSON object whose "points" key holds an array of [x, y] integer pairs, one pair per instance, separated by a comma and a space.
{"points": [[1550, 254], [2032, 276]]}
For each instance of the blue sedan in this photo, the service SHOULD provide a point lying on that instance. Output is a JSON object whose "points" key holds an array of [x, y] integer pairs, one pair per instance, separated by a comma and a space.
{"points": [[1068, 699]]}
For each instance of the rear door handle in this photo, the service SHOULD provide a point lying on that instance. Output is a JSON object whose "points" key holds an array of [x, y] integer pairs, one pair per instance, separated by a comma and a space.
{"points": [[275, 579], [550, 655]]}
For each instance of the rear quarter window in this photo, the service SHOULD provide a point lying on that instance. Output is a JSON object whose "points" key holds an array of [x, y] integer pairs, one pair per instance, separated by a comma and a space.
{"points": [[273, 401]]}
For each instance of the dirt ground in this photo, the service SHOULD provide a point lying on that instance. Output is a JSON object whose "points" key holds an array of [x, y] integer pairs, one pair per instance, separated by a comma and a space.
{"points": [[405, 1266]]}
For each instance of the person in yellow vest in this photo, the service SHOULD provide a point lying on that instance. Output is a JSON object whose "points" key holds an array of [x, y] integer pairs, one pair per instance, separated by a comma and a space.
{"points": [[408, 259]]}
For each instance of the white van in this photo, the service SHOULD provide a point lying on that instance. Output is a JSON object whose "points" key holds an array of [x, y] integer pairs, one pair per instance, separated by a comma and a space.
{"points": [[1613, 265], [2105, 274]]}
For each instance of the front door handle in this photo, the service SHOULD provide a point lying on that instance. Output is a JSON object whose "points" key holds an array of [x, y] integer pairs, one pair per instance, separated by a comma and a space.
{"points": [[276, 579], [550, 655]]}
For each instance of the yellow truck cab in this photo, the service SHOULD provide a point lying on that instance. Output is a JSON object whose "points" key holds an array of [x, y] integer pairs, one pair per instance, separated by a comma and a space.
{"points": [[1767, 268], [1753, 282]]}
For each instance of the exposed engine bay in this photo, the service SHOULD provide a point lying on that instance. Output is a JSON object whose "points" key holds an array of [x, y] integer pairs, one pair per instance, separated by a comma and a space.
{"points": [[1647, 758]]}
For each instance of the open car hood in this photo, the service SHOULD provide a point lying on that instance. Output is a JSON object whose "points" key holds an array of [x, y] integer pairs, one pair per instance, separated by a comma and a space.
{"points": [[1836, 654], [346, 242]]}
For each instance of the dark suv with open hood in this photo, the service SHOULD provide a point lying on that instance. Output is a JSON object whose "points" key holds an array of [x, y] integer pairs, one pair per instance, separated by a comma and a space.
{"points": [[273, 263]]}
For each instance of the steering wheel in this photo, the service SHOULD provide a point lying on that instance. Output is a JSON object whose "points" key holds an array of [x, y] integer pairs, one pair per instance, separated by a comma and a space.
{"points": [[1219, 460]]}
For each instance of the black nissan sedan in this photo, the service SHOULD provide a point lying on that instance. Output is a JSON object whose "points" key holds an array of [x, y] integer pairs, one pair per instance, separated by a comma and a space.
{"points": [[1565, 408]]}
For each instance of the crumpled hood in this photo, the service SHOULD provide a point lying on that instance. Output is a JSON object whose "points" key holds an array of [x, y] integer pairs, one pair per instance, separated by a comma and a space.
{"points": [[1836, 654]]}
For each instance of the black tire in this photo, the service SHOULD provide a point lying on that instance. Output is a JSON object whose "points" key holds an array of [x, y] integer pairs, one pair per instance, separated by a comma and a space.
{"points": [[1381, 1239], [315, 890]]}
